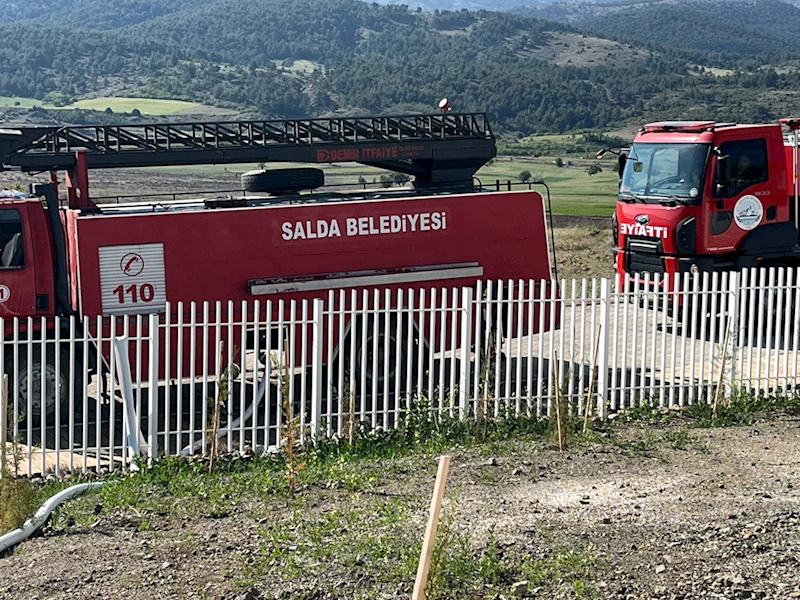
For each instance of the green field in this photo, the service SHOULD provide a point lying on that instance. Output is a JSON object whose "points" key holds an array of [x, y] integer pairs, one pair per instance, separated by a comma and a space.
{"points": [[23, 102], [573, 190], [150, 106]]}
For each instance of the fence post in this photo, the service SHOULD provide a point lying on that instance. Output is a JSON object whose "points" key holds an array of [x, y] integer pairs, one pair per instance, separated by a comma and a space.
{"points": [[131, 423], [466, 339], [734, 285], [317, 342], [602, 349], [152, 386]]}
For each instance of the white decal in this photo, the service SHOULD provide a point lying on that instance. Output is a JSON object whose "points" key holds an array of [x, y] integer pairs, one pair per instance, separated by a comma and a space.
{"points": [[132, 279], [357, 226], [643, 230], [5, 294], [748, 212]]}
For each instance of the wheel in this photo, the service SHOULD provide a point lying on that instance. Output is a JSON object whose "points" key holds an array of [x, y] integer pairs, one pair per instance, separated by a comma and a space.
{"points": [[277, 181], [364, 364], [33, 388]]}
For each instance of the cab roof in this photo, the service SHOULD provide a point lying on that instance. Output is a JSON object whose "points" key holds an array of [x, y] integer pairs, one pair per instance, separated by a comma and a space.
{"points": [[684, 126]]}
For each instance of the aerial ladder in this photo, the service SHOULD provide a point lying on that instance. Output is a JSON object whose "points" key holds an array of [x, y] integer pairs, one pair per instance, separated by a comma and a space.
{"points": [[441, 151]]}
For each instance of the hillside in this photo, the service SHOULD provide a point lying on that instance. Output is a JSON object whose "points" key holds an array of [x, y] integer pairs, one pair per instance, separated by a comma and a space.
{"points": [[321, 57], [722, 30]]}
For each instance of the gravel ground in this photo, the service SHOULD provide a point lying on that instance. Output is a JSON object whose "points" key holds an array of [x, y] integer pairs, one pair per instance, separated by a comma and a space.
{"points": [[666, 513]]}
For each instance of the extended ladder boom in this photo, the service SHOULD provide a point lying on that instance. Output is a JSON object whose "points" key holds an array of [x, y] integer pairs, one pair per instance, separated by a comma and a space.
{"points": [[435, 148]]}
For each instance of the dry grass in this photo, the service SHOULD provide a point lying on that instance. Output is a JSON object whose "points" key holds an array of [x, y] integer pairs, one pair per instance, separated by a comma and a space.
{"points": [[584, 250]]}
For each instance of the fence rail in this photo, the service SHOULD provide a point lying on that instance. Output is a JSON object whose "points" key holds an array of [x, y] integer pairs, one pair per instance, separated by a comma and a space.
{"points": [[84, 395]]}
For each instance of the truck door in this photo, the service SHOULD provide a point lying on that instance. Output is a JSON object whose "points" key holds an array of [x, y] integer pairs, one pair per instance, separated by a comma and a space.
{"points": [[742, 179], [17, 276]]}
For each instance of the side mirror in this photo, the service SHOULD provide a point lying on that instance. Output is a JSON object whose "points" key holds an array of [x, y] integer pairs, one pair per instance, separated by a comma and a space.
{"points": [[638, 166]]}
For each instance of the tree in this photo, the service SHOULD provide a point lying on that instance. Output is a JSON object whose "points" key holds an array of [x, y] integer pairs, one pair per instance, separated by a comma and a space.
{"points": [[559, 162], [401, 179], [594, 168], [386, 181], [524, 176]]}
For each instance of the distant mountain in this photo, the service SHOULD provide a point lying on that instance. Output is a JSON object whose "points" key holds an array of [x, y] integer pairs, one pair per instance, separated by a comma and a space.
{"points": [[506, 5], [614, 65], [719, 28]]}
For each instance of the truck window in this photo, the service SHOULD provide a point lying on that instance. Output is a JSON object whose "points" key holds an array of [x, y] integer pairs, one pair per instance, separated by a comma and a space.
{"points": [[665, 170], [744, 164], [12, 248]]}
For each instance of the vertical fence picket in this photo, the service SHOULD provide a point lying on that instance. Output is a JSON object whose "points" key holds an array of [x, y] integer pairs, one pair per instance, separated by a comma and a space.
{"points": [[530, 305], [762, 292], [498, 346], [579, 353], [254, 375], [572, 304], [796, 327], [520, 302], [602, 349], [642, 392], [477, 310], [413, 333], [541, 359], [454, 321], [684, 334], [702, 378], [777, 340], [398, 355], [654, 337], [619, 304], [551, 303], [464, 370]]}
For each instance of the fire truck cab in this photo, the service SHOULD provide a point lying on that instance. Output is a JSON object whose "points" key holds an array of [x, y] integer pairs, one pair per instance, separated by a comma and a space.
{"points": [[704, 196]]}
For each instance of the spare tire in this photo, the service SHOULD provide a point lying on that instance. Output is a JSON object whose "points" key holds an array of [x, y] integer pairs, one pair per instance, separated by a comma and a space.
{"points": [[278, 181]]}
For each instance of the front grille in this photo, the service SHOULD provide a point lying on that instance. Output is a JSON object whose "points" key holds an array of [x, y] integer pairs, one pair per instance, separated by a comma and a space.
{"points": [[644, 255]]}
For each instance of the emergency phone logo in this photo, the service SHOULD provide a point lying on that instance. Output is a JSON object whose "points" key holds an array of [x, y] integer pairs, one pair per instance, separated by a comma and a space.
{"points": [[132, 264], [748, 212]]}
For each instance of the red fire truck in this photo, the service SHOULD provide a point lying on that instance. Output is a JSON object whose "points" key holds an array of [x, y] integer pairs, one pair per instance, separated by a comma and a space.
{"points": [[703, 196], [283, 238]]}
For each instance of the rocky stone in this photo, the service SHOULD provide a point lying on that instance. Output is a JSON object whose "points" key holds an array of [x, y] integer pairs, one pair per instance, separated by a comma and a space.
{"points": [[520, 588]]}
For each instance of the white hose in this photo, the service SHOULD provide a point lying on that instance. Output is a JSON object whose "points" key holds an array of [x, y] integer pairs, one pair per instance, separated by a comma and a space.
{"points": [[12, 538], [223, 431]]}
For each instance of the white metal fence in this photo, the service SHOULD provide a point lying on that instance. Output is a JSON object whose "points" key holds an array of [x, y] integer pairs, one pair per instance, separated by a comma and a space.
{"points": [[358, 358]]}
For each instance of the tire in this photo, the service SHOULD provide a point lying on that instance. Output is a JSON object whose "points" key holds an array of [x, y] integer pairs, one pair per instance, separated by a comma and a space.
{"points": [[406, 362], [278, 181], [23, 387]]}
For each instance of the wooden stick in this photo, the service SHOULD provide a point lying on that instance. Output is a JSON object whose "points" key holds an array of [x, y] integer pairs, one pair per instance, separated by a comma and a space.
{"points": [[430, 531], [562, 442], [587, 409], [722, 367], [215, 416]]}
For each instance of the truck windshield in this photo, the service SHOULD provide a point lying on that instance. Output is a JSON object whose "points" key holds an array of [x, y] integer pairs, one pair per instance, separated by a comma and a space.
{"points": [[674, 171]]}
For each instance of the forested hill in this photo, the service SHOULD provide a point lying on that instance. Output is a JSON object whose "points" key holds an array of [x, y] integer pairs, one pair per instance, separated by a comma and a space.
{"points": [[722, 31], [317, 57]]}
